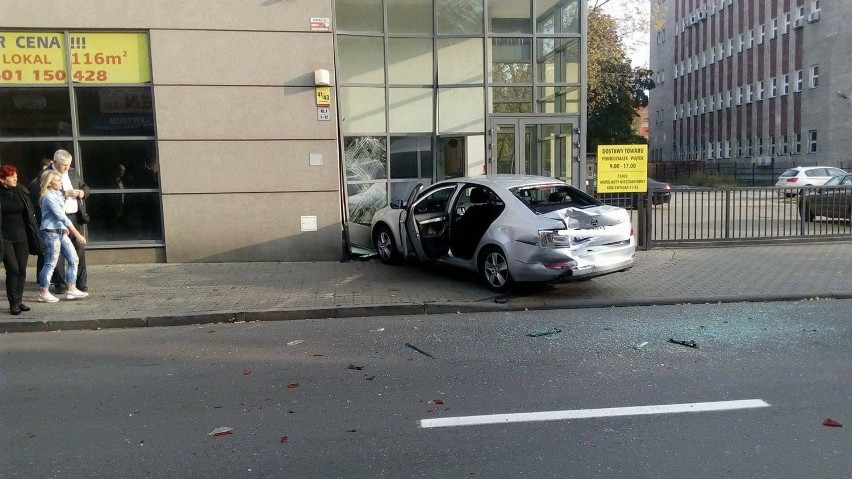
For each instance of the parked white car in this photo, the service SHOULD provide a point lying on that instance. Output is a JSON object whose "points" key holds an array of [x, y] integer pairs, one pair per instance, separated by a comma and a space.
{"points": [[508, 228], [807, 176]]}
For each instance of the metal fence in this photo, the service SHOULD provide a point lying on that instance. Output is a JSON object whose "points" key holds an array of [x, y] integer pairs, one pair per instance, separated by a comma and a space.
{"points": [[745, 215]]}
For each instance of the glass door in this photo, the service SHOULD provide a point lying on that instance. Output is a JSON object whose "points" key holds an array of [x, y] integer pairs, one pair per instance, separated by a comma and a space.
{"points": [[533, 146]]}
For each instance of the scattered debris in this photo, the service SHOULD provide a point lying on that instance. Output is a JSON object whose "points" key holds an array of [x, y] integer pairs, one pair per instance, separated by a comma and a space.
{"points": [[544, 333], [350, 430], [293, 385], [293, 343], [380, 330], [640, 346], [435, 401], [318, 355], [501, 299], [831, 423], [369, 377], [246, 372], [284, 439], [31, 435], [357, 368], [419, 350], [221, 431], [688, 343]]}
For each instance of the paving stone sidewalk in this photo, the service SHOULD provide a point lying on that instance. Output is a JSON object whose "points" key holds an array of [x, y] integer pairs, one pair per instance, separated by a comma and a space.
{"points": [[194, 293]]}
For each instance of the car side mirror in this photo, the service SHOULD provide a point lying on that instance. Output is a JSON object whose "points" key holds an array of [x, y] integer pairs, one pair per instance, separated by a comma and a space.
{"points": [[398, 204]]}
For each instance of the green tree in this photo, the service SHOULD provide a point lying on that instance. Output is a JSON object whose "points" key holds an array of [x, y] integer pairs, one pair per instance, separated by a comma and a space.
{"points": [[616, 90]]}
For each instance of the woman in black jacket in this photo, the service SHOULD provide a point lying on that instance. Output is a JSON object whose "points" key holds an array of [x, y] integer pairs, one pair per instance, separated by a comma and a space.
{"points": [[19, 232]]}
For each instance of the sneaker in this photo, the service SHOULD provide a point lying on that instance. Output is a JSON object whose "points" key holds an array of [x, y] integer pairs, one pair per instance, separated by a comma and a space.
{"points": [[47, 298], [75, 294]]}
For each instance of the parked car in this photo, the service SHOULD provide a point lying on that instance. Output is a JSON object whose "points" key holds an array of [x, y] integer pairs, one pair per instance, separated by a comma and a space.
{"points": [[660, 192], [807, 176], [833, 200], [508, 228]]}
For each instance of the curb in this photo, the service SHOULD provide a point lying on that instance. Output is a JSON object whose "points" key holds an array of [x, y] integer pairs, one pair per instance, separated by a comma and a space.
{"points": [[407, 309]]}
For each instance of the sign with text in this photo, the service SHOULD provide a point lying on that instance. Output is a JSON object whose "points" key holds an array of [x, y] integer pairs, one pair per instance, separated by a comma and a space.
{"points": [[105, 58], [622, 168], [323, 95]]}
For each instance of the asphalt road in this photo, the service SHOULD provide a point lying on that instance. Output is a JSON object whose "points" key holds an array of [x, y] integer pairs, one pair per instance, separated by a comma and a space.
{"points": [[346, 398]]}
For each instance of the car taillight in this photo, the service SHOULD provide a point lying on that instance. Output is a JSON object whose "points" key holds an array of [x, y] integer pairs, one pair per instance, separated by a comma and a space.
{"points": [[554, 239], [792, 180]]}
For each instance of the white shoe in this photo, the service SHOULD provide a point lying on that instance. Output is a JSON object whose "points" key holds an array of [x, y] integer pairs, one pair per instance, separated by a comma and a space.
{"points": [[75, 294], [47, 298]]}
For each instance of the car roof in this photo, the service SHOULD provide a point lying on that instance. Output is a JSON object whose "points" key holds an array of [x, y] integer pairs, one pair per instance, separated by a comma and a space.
{"points": [[505, 181]]}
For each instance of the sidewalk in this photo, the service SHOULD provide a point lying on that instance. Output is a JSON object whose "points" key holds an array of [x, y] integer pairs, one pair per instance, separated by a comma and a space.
{"points": [[181, 294]]}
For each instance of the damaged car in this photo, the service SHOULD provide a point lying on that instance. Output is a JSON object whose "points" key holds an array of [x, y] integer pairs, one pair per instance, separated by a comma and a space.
{"points": [[507, 228]]}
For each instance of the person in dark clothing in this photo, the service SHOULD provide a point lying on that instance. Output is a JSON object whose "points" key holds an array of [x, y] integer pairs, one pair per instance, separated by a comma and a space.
{"points": [[20, 238]]}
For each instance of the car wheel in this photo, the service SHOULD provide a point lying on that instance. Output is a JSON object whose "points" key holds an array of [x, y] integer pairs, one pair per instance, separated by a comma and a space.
{"points": [[494, 269], [385, 245]]}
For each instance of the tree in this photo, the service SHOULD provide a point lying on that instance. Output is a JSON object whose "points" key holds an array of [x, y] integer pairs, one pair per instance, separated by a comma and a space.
{"points": [[616, 90]]}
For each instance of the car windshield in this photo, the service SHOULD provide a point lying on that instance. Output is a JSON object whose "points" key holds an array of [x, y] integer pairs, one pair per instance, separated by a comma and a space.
{"points": [[834, 181], [547, 198]]}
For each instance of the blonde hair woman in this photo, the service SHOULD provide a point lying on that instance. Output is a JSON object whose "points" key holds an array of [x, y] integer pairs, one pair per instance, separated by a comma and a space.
{"points": [[55, 231]]}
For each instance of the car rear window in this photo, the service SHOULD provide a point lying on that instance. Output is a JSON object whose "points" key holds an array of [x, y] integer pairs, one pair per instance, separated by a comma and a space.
{"points": [[789, 173], [547, 198]]}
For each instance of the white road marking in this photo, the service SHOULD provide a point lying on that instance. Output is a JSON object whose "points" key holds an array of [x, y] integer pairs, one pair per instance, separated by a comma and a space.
{"points": [[592, 413]]}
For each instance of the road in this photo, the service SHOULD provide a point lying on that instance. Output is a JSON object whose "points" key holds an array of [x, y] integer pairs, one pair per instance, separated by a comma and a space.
{"points": [[348, 398]]}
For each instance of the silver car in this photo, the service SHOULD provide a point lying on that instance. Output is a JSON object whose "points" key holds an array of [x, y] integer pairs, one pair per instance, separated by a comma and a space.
{"points": [[508, 228]]}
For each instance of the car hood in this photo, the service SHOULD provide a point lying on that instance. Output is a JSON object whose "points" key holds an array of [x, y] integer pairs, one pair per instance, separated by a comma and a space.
{"points": [[586, 218]]}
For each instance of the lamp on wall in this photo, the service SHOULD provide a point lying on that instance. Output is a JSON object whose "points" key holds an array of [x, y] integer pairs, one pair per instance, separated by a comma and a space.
{"points": [[322, 78]]}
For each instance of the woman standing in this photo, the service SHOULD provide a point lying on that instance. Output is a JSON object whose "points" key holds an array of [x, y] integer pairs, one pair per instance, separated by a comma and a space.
{"points": [[19, 231], [55, 228]]}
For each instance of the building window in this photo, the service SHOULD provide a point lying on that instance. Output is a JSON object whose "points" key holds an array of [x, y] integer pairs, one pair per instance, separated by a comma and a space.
{"points": [[728, 98], [739, 95], [761, 34], [772, 145], [774, 31], [99, 107], [786, 23], [814, 76], [760, 146], [749, 93], [785, 85], [797, 143], [799, 80], [812, 141], [741, 38], [739, 147], [748, 147], [773, 87], [730, 46], [760, 90], [784, 144], [727, 148], [751, 39]]}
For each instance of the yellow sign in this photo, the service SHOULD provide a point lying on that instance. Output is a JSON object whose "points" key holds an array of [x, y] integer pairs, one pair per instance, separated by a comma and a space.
{"points": [[105, 58], [622, 168], [323, 96]]}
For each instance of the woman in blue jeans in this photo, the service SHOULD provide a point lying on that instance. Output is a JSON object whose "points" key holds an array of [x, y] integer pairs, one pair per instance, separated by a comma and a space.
{"points": [[55, 228]]}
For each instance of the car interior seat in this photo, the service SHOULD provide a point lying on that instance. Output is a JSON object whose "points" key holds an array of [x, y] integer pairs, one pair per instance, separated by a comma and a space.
{"points": [[471, 227]]}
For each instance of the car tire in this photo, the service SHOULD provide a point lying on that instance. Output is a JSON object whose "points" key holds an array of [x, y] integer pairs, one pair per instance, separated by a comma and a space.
{"points": [[494, 269], [385, 245]]}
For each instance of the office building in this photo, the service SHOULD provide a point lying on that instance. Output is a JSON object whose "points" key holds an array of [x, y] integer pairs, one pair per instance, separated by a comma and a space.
{"points": [[271, 130], [752, 81]]}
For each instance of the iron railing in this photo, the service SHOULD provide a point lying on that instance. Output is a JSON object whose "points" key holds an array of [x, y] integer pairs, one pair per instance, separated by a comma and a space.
{"points": [[707, 216]]}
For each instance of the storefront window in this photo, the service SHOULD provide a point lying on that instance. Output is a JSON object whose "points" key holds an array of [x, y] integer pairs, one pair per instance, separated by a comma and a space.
{"points": [[108, 128]]}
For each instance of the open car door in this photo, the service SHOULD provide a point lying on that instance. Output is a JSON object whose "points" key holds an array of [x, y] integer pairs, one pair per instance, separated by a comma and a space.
{"points": [[428, 223]]}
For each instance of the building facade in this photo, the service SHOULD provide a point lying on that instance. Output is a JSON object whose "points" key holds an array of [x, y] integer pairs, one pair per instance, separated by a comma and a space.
{"points": [[271, 130], [754, 81]]}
